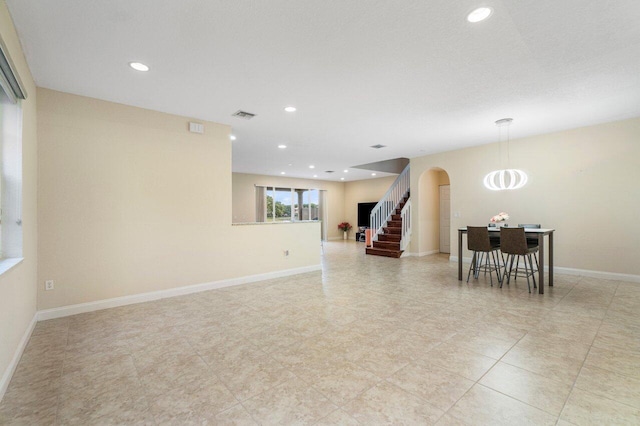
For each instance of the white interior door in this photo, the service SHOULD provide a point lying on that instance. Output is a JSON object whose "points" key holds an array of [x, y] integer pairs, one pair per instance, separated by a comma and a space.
{"points": [[445, 219]]}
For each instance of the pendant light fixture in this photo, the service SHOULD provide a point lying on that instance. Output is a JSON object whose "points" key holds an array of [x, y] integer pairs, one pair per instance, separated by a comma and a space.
{"points": [[499, 180]]}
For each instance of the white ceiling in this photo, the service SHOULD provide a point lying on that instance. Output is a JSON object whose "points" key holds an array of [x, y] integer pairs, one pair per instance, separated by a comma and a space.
{"points": [[413, 74]]}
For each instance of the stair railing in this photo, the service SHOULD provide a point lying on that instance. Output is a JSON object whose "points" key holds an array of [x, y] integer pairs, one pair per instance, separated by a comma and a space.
{"points": [[406, 225], [381, 213]]}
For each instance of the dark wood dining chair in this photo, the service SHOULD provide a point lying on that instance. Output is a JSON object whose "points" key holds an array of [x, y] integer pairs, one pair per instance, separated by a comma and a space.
{"points": [[513, 243], [484, 253]]}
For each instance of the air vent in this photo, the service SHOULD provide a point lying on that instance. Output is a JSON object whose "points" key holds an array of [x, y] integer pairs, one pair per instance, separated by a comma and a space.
{"points": [[328, 171], [378, 146], [243, 114]]}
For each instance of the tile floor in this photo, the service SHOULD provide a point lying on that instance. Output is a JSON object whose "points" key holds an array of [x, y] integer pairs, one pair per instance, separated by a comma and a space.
{"points": [[369, 340]]}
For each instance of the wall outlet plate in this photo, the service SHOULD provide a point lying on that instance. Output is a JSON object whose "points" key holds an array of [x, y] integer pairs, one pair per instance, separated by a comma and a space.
{"points": [[48, 285]]}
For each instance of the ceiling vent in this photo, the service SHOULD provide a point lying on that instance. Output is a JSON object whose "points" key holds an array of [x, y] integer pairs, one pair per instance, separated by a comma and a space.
{"points": [[328, 171], [378, 146], [243, 114]]}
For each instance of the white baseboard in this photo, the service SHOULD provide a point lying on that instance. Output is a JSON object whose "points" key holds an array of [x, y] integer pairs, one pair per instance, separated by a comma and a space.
{"points": [[11, 368], [65, 311], [598, 274], [420, 254], [579, 272]]}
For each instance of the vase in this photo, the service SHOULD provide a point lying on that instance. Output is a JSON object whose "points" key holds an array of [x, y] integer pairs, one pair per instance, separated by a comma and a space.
{"points": [[344, 235], [501, 224]]}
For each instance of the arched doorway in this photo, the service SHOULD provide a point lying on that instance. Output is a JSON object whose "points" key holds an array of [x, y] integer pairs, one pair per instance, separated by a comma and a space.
{"points": [[435, 212]]}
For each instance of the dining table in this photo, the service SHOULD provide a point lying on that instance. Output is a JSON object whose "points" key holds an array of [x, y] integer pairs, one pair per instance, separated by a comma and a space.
{"points": [[538, 233]]}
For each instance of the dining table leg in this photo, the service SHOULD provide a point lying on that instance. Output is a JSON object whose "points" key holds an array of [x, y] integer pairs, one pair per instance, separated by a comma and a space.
{"points": [[541, 264], [459, 255], [551, 259]]}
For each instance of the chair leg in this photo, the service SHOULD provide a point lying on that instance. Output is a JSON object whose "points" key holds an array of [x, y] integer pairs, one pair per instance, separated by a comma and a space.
{"points": [[526, 272], [485, 256], [533, 275], [488, 266], [496, 264], [504, 273], [537, 266], [513, 256], [473, 262], [478, 266]]}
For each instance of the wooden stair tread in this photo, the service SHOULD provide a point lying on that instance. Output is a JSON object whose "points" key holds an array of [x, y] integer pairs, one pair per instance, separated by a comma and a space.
{"points": [[387, 245], [384, 252], [392, 230]]}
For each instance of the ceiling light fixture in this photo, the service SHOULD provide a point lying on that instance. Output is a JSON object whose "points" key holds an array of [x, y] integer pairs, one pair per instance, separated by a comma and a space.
{"points": [[346, 171], [281, 146], [232, 137], [290, 109], [341, 178], [139, 66], [479, 14], [282, 173], [373, 174], [315, 175], [499, 180], [312, 166]]}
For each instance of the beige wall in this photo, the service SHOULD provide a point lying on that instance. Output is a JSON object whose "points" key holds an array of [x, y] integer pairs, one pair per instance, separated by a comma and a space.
{"points": [[363, 191], [18, 286], [244, 198], [130, 202], [582, 182], [429, 209]]}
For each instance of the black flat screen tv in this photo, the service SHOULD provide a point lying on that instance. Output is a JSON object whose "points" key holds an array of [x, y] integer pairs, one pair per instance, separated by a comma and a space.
{"points": [[364, 212]]}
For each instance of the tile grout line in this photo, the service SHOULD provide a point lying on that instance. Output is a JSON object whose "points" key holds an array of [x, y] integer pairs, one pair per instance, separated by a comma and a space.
{"points": [[64, 359], [146, 396], [585, 360], [477, 382]]}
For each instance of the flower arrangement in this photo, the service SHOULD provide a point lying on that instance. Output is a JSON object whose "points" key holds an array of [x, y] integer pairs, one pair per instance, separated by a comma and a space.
{"points": [[500, 217], [344, 226]]}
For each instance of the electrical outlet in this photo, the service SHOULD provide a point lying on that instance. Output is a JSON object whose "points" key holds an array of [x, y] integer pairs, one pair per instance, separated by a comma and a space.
{"points": [[48, 285]]}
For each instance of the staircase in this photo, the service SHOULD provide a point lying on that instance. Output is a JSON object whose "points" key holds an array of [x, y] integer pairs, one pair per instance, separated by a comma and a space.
{"points": [[389, 241], [391, 220]]}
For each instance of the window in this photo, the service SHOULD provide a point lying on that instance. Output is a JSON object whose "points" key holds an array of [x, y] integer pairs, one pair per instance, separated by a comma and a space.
{"points": [[287, 204], [275, 204], [11, 94]]}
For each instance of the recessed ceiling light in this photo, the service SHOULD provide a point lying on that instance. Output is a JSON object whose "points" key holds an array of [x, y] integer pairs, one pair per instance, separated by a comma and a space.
{"points": [[312, 166], [282, 146], [290, 109], [283, 173], [315, 175], [346, 171], [373, 174], [480, 14], [232, 137], [139, 66], [341, 178]]}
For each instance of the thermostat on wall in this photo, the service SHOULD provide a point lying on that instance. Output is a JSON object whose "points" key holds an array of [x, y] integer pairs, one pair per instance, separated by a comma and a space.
{"points": [[196, 127]]}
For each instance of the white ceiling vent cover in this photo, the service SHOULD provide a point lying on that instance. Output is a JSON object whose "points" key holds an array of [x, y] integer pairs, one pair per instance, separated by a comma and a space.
{"points": [[243, 114]]}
